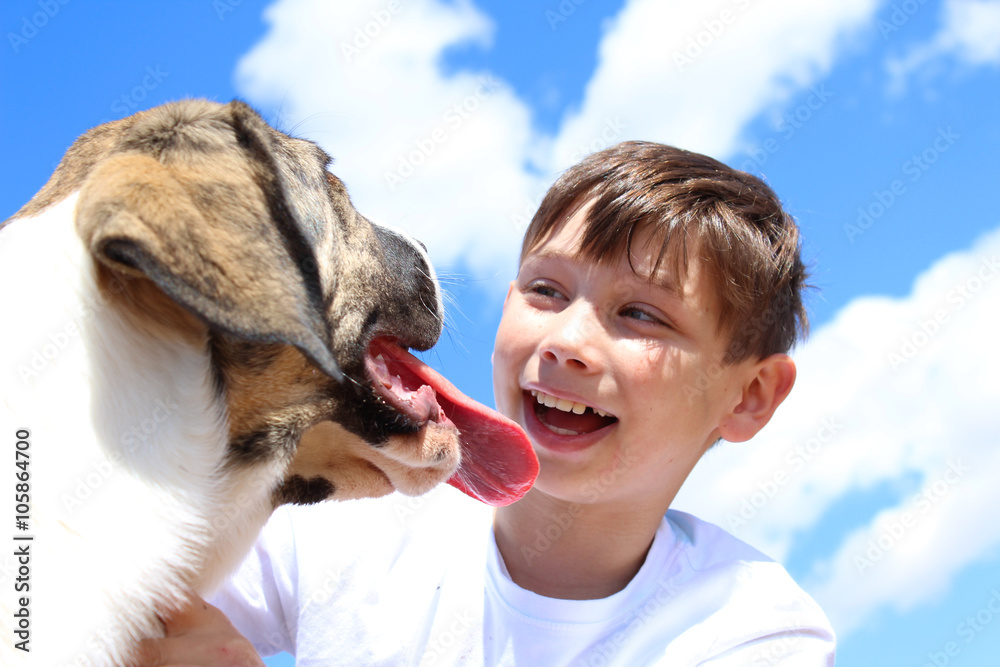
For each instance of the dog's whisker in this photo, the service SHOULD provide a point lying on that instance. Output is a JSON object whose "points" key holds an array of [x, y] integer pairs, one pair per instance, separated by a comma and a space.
{"points": [[312, 117], [360, 385], [450, 299], [452, 279]]}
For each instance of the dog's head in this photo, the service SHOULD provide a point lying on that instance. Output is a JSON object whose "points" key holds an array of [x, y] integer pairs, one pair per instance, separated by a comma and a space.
{"points": [[208, 224]]}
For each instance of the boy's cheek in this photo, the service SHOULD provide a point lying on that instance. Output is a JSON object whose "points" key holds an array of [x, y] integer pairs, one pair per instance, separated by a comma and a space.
{"points": [[503, 384], [506, 299]]}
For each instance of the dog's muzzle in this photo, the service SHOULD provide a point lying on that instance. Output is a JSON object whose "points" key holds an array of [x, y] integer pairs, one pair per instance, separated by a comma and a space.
{"points": [[420, 314]]}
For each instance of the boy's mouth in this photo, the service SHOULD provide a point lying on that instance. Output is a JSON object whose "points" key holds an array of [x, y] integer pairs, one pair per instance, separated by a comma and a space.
{"points": [[565, 417]]}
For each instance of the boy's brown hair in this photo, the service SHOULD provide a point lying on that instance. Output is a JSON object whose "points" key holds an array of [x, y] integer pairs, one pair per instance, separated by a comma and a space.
{"points": [[735, 221]]}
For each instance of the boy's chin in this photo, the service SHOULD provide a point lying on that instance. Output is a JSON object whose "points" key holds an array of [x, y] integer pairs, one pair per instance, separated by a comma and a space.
{"points": [[576, 487]]}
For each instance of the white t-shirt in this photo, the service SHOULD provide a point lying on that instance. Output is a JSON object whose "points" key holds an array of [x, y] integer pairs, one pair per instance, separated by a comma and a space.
{"points": [[403, 581]]}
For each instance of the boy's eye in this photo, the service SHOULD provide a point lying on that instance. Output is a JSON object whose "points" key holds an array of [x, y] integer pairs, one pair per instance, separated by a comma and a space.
{"points": [[636, 313], [544, 289]]}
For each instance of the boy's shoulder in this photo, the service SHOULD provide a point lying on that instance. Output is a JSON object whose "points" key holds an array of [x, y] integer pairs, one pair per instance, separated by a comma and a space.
{"points": [[707, 543], [703, 549], [748, 583]]}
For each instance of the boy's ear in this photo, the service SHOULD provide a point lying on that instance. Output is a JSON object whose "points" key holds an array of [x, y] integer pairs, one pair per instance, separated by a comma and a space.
{"points": [[762, 395]]}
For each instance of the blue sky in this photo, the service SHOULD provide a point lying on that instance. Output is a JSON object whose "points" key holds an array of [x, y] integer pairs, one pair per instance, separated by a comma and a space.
{"points": [[878, 123]]}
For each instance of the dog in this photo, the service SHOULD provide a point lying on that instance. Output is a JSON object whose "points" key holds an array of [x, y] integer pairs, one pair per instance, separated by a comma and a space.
{"points": [[200, 327]]}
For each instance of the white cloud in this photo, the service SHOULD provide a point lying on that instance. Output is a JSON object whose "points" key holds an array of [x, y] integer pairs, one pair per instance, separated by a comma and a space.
{"points": [[972, 30], [969, 32], [891, 390], [693, 74], [363, 78]]}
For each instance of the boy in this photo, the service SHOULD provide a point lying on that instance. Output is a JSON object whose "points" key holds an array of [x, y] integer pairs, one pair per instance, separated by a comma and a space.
{"points": [[657, 296]]}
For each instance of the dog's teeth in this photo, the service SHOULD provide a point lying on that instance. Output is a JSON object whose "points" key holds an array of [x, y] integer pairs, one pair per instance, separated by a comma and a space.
{"points": [[382, 372], [550, 401]]}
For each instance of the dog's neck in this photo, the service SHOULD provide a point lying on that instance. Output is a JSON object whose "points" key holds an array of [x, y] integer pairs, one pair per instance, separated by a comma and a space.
{"points": [[140, 397], [126, 421]]}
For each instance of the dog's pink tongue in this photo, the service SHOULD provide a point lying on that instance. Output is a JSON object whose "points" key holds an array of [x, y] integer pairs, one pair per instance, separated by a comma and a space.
{"points": [[498, 462]]}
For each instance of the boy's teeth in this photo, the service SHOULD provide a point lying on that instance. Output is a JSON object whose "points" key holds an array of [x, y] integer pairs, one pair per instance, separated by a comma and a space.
{"points": [[561, 403]]}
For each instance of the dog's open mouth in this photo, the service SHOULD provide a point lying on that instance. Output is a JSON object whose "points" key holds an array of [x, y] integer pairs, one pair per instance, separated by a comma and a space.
{"points": [[498, 462]]}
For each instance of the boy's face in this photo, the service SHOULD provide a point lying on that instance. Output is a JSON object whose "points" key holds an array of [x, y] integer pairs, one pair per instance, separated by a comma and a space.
{"points": [[646, 354]]}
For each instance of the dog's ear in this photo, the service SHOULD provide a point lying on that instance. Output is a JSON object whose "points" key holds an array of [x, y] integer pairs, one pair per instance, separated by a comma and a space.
{"points": [[204, 233]]}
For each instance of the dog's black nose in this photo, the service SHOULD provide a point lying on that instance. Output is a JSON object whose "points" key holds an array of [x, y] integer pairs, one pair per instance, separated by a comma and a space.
{"points": [[416, 316]]}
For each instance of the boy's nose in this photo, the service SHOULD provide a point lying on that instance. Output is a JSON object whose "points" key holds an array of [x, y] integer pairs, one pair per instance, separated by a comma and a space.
{"points": [[572, 339]]}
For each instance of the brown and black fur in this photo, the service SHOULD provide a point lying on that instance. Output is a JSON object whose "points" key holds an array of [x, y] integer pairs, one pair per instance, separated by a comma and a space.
{"points": [[199, 228], [286, 327]]}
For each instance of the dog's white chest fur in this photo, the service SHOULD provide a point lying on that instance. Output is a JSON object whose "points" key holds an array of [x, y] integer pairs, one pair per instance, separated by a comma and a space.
{"points": [[191, 306], [123, 423]]}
